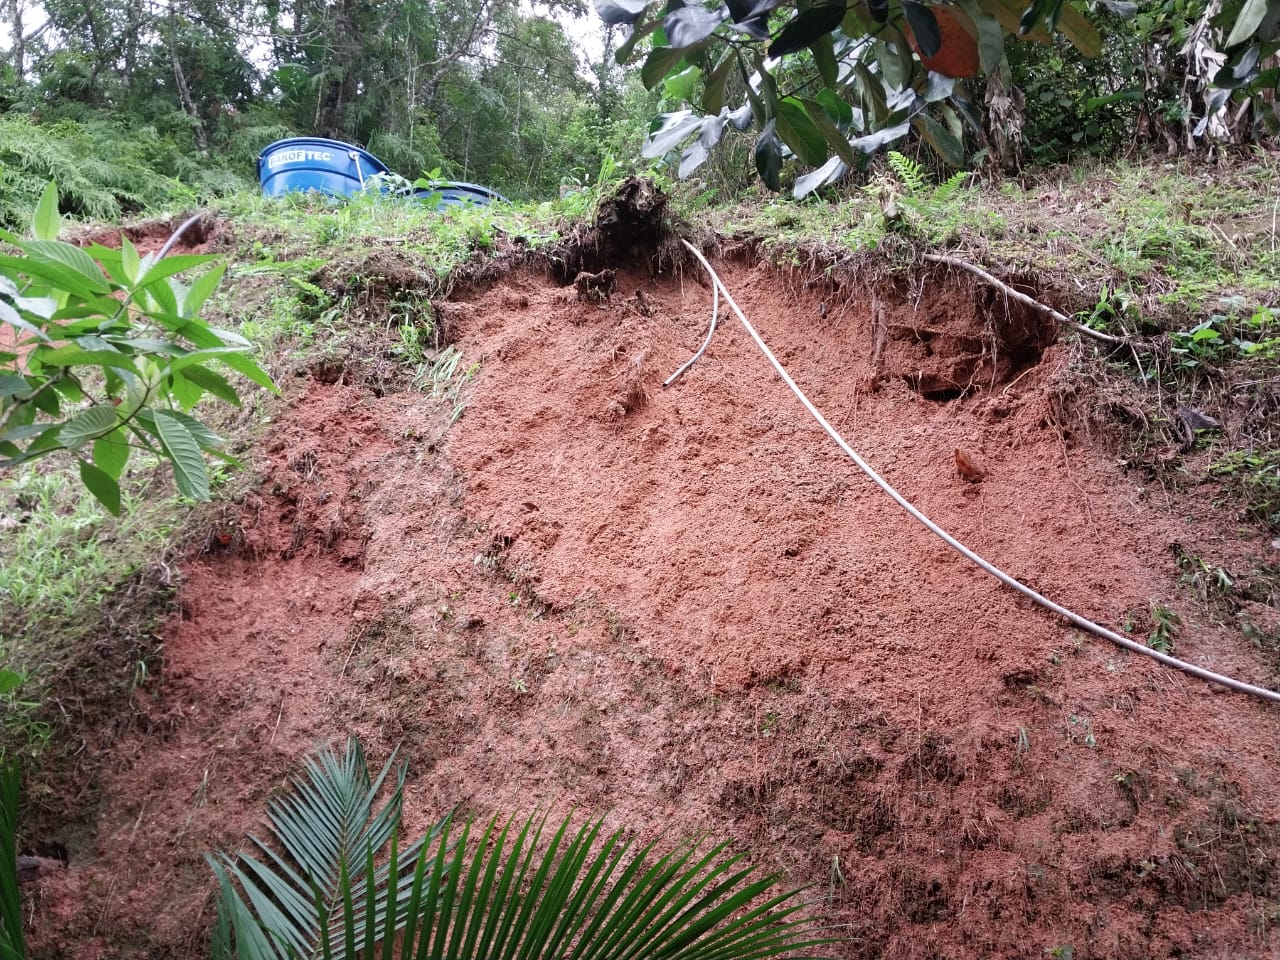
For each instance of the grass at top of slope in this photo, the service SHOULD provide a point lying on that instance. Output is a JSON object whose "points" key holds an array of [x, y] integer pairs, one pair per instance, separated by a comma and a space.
{"points": [[1161, 243]]}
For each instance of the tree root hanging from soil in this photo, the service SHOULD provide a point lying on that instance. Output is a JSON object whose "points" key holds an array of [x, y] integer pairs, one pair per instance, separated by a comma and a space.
{"points": [[1022, 298], [1075, 618]]}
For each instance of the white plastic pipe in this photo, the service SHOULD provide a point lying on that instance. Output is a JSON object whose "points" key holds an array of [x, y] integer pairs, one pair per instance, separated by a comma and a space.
{"points": [[1082, 622]]}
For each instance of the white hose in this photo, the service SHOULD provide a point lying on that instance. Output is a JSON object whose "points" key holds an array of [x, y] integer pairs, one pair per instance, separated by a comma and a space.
{"points": [[1079, 621]]}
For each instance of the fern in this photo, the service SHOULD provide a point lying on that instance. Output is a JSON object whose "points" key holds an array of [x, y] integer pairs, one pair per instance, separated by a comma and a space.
{"points": [[947, 189], [103, 169], [908, 171]]}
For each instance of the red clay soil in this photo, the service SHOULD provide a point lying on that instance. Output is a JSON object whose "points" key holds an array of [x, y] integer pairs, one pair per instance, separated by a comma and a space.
{"points": [[206, 235], [684, 607]]}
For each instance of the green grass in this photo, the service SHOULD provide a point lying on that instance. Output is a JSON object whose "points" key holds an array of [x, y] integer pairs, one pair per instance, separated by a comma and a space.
{"points": [[1173, 238], [61, 559]]}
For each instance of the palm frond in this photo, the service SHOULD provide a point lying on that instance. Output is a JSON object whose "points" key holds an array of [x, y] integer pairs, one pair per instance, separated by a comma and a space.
{"points": [[283, 899], [12, 944], [517, 891]]}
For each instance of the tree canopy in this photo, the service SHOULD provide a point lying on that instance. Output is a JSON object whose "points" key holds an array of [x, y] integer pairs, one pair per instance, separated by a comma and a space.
{"points": [[829, 83]]}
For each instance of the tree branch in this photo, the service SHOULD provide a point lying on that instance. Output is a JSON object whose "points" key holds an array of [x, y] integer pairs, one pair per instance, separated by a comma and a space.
{"points": [[1024, 299]]}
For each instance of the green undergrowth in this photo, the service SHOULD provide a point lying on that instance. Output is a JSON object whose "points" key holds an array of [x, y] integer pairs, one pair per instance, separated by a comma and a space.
{"points": [[1171, 239], [74, 625], [309, 269]]}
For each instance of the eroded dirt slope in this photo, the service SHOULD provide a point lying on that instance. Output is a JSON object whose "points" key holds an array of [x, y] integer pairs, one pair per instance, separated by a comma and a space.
{"points": [[684, 606]]}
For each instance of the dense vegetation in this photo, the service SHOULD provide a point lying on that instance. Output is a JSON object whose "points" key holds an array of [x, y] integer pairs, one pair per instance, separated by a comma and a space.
{"points": [[131, 105]]}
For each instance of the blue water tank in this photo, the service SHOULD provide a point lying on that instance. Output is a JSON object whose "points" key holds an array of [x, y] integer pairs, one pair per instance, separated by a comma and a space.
{"points": [[454, 194], [314, 163]]}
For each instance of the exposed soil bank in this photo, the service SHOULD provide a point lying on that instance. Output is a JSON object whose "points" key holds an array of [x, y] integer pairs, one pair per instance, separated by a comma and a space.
{"points": [[685, 607]]}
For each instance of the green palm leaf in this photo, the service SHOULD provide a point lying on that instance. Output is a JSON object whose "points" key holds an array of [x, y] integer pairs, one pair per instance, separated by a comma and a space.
{"points": [[12, 946], [336, 883]]}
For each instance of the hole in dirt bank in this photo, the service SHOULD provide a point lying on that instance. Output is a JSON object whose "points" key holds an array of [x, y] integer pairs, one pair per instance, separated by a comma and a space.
{"points": [[957, 337], [209, 234]]}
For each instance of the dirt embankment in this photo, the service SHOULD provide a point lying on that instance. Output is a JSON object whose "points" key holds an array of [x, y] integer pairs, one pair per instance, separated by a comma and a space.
{"points": [[684, 606]]}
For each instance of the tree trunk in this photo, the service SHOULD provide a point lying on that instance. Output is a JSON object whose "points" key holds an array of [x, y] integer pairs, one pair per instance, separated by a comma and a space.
{"points": [[184, 92]]}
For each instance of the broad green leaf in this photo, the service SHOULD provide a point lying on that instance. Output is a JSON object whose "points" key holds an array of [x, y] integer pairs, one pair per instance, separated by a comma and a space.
{"points": [[54, 275], [104, 488], [158, 296], [829, 172], [1009, 14], [1241, 67], [872, 89], [669, 131], [835, 139], [129, 260], [201, 289], [16, 434], [46, 221], [111, 453], [1251, 16], [806, 27], [938, 87], [154, 271], [990, 35], [184, 452], [660, 62], [1073, 25], [48, 401], [9, 681], [713, 93], [147, 345], [184, 391], [886, 135], [800, 133], [943, 142], [57, 253], [616, 12], [111, 260], [11, 385], [211, 381], [694, 156], [245, 365], [206, 438], [200, 356], [824, 58], [14, 319], [854, 24], [69, 389], [228, 337], [75, 356], [768, 157], [836, 107], [691, 26], [679, 86], [87, 425]]}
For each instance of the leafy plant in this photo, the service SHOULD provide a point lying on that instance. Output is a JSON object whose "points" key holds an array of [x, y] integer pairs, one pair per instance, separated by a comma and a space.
{"points": [[334, 881], [1165, 627], [827, 84], [1255, 474], [104, 352], [12, 944]]}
